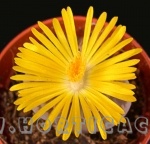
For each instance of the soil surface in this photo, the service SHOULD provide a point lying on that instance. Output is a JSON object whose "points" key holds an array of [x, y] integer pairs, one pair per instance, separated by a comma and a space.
{"points": [[13, 134]]}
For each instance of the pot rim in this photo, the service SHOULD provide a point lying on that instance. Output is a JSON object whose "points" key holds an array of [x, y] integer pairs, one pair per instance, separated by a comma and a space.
{"points": [[82, 18]]}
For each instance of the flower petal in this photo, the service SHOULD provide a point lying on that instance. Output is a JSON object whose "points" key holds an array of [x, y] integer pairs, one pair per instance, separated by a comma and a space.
{"points": [[77, 115], [26, 85], [117, 77], [111, 116], [116, 94], [55, 112], [25, 77], [99, 106], [55, 41], [97, 29], [109, 86], [43, 50], [46, 107], [120, 65], [103, 99], [63, 118], [87, 112], [49, 45], [102, 37], [32, 56], [87, 30], [70, 31], [108, 44], [99, 120], [61, 36], [121, 57], [69, 124], [39, 101], [35, 99], [113, 71]]}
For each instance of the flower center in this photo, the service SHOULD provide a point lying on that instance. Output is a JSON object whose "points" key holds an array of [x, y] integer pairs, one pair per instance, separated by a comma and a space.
{"points": [[76, 69]]}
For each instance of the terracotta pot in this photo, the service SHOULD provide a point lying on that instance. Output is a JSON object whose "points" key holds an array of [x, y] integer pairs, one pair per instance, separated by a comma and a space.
{"points": [[1, 142], [9, 52]]}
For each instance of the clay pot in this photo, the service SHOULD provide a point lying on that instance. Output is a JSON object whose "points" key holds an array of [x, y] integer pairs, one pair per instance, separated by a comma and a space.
{"points": [[9, 52], [1, 142]]}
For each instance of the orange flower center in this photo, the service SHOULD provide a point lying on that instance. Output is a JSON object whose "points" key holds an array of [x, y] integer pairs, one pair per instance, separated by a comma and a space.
{"points": [[76, 69]]}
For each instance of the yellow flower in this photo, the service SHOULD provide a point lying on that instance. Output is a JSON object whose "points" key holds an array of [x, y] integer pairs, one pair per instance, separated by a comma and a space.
{"points": [[73, 82]]}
